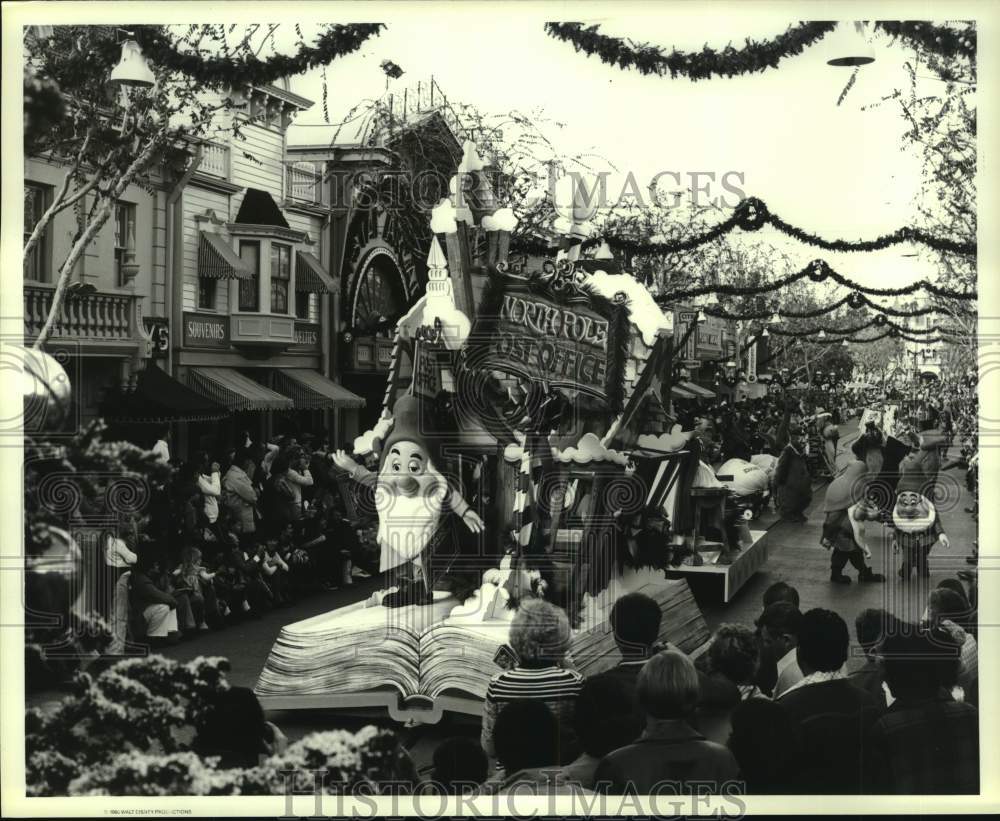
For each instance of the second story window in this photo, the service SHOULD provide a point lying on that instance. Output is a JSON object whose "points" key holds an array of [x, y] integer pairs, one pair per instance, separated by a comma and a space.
{"points": [[124, 241], [36, 200], [250, 288], [206, 293], [281, 275], [302, 304]]}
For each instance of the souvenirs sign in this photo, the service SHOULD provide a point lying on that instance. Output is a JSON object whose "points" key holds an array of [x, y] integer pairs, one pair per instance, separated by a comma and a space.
{"points": [[551, 331]]}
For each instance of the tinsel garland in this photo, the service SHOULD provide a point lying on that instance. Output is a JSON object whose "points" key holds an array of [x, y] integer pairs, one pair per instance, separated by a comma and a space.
{"points": [[817, 271], [877, 322], [752, 214], [754, 56], [730, 62], [234, 72], [854, 300]]}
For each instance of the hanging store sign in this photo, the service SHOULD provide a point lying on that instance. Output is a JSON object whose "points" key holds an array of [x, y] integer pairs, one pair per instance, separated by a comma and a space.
{"points": [[307, 337]]}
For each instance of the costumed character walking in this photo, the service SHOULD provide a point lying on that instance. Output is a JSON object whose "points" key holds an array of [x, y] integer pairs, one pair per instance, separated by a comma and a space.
{"points": [[792, 481], [412, 496], [847, 509], [917, 529]]}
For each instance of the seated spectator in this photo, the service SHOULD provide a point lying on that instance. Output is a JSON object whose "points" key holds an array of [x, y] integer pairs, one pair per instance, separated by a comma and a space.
{"points": [[947, 610], [540, 637], [195, 581], [733, 658], [926, 742], [871, 628], [831, 714], [635, 619], [460, 766], [233, 728], [767, 746], [670, 749], [778, 628], [526, 735], [606, 718], [152, 609], [767, 673]]}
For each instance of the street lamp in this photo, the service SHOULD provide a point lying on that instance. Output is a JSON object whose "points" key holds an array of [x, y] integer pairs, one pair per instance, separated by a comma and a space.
{"points": [[132, 70], [851, 45]]}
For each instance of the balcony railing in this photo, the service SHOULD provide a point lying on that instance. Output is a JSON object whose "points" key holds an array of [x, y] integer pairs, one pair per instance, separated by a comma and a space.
{"points": [[215, 160], [97, 317], [304, 183]]}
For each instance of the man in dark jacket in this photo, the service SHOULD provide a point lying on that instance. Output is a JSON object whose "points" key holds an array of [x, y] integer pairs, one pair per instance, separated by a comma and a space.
{"points": [[833, 715], [793, 484]]}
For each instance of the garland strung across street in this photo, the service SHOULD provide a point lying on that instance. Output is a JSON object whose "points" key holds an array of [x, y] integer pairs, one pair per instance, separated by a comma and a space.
{"points": [[236, 71], [818, 271], [854, 300], [730, 62], [754, 56], [876, 322], [752, 214]]}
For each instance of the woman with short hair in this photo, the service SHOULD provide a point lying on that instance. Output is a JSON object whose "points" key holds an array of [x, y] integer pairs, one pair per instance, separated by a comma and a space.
{"points": [[540, 638]]}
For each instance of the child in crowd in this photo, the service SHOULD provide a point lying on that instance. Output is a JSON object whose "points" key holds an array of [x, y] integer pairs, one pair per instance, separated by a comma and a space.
{"points": [[190, 577]]}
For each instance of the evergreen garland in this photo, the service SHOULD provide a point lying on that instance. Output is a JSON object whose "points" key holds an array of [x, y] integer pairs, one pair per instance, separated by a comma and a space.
{"points": [[752, 214], [234, 72], [730, 62], [754, 56]]}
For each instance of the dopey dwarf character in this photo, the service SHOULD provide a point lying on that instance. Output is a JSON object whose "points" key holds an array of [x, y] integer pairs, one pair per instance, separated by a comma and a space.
{"points": [[410, 494]]}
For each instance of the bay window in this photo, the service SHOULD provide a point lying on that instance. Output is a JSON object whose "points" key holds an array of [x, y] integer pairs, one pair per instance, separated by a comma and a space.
{"points": [[281, 275], [249, 298]]}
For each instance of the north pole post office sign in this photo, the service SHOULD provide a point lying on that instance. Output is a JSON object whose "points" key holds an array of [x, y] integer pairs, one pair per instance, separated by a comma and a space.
{"points": [[551, 330]]}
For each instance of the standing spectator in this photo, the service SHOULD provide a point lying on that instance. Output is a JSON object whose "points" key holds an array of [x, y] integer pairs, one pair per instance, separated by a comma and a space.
{"points": [[767, 746], [670, 749], [635, 619], [239, 494], [607, 717], [527, 748], [832, 715], [162, 446], [871, 628], [540, 637], [949, 611], [792, 482], [233, 728], [210, 484], [926, 743], [778, 626]]}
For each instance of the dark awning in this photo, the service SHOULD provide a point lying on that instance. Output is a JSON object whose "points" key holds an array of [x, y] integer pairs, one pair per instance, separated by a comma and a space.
{"points": [[697, 390], [311, 276], [158, 397], [236, 391], [218, 261], [679, 393], [310, 389]]}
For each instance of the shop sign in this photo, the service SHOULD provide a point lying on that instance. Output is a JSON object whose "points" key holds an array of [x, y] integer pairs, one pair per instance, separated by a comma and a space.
{"points": [[206, 331], [159, 335], [307, 336]]}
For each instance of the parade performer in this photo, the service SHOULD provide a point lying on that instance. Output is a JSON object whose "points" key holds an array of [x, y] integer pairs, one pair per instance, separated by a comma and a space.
{"points": [[847, 510], [917, 529], [792, 482], [412, 496]]}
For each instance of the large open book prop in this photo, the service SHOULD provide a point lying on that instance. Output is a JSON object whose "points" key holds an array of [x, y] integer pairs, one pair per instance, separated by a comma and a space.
{"points": [[425, 659]]}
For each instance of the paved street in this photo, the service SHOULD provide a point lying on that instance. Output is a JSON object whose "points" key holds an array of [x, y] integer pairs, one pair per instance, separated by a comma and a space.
{"points": [[795, 557]]}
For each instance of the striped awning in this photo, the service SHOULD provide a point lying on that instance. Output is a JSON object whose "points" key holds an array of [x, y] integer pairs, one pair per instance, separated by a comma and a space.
{"points": [[218, 261], [697, 390], [159, 398], [680, 393], [311, 390], [236, 391], [311, 276]]}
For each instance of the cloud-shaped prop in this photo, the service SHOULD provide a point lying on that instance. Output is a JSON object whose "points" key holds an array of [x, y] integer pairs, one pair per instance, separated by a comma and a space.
{"points": [[502, 220], [589, 449], [676, 440], [365, 443], [443, 218]]}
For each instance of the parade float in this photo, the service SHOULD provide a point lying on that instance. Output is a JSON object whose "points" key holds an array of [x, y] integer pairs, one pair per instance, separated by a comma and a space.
{"points": [[525, 449]]}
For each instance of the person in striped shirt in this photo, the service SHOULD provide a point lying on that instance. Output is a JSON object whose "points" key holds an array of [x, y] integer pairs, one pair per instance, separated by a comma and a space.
{"points": [[540, 637]]}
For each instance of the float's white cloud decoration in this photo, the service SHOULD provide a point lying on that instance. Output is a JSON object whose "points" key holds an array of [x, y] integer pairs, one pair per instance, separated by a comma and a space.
{"points": [[365, 443], [443, 218], [589, 449], [502, 220], [676, 440]]}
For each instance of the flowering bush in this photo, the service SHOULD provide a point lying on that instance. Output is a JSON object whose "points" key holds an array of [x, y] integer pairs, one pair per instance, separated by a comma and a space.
{"points": [[129, 731]]}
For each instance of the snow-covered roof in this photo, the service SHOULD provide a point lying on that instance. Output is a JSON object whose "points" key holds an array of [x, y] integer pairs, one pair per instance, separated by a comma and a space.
{"points": [[647, 316]]}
